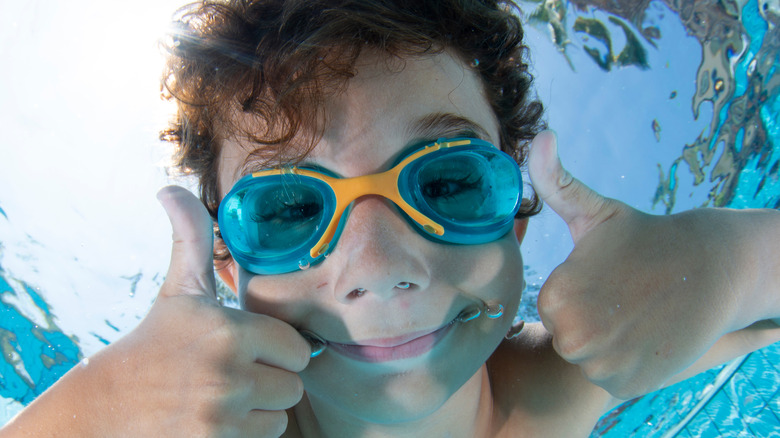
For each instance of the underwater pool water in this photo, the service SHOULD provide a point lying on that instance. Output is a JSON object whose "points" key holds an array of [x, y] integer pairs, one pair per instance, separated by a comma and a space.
{"points": [[667, 106], [708, 125]]}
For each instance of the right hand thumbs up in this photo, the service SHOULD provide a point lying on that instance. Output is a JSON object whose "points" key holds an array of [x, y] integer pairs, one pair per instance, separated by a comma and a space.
{"points": [[191, 270], [193, 367]]}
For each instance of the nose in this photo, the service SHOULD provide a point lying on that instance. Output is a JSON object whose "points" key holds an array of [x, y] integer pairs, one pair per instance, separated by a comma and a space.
{"points": [[378, 253]]}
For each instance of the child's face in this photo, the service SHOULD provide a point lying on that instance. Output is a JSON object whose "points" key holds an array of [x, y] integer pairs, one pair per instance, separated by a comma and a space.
{"points": [[377, 118]]}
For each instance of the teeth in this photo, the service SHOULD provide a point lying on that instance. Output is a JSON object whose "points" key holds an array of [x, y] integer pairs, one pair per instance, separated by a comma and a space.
{"points": [[318, 345]]}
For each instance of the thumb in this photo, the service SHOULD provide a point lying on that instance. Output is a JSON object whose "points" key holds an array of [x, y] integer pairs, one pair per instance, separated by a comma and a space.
{"points": [[578, 205], [191, 271]]}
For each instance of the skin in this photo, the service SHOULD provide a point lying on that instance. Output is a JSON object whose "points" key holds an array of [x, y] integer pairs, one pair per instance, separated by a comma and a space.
{"points": [[368, 129], [370, 125], [693, 290]]}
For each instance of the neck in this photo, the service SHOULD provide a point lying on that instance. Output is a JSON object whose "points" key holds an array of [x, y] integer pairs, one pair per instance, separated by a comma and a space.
{"points": [[466, 413]]}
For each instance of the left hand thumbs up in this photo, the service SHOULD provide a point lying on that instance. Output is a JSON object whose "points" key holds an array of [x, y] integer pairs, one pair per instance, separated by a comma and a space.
{"points": [[580, 207], [637, 300]]}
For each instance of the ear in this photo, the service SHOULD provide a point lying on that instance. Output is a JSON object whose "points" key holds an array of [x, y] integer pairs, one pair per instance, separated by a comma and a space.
{"points": [[227, 271], [521, 226]]}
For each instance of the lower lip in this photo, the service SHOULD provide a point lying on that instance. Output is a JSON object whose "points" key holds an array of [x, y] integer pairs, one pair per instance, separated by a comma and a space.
{"points": [[414, 348]]}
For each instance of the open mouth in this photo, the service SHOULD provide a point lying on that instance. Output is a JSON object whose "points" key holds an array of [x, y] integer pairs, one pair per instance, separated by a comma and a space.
{"points": [[389, 349]]}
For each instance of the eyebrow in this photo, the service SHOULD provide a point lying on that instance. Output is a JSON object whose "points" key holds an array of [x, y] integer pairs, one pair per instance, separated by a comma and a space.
{"points": [[436, 125], [429, 127]]}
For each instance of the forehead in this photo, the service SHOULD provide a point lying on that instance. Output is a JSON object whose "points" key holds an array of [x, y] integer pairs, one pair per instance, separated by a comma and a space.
{"points": [[390, 103]]}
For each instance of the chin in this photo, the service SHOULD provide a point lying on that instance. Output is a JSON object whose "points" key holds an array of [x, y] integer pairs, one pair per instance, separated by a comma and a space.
{"points": [[406, 390]]}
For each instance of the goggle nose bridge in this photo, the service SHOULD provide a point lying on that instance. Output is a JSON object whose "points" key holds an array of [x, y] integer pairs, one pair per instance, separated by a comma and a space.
{"points": [[383, 184]]}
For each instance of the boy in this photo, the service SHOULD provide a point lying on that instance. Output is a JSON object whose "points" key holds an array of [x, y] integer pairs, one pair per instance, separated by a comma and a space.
{"points": [[278, 103]]}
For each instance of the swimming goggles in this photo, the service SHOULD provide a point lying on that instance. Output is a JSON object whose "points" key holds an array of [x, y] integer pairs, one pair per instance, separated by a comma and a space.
{"points": [[461, 191]]}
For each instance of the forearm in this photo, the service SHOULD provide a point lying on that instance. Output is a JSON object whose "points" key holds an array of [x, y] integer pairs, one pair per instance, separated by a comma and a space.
{"points": [[753, 267], [70, 408], [759, 251]]}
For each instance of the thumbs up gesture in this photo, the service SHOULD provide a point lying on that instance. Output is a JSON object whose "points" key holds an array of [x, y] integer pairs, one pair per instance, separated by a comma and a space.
{"points": [[193, 368], [641, 297]]}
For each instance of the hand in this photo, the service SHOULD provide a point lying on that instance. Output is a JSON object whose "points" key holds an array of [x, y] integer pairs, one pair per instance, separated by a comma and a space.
{"points": [[640, 297], [194, 368]]}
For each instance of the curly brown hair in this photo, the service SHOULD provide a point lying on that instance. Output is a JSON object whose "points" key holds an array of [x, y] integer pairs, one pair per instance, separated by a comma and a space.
{"points": [[277, 60]]}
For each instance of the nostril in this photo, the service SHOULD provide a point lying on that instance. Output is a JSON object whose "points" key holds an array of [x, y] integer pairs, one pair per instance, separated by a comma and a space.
{"points": [[359, 292], [356, 293]]}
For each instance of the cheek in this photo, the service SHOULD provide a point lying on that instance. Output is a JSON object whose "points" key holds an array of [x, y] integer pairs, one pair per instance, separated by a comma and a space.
{"points": [[491, 271], [286, 297]]}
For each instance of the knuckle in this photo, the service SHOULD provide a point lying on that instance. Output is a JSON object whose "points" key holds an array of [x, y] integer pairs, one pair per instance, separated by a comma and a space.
{"points": [[209, 420], [296, 351], [272, 423], [297, 389], [273, 388], [287, 391], [301, 352], [556, 290], [546, 303], [621, 383], [571, 348]]}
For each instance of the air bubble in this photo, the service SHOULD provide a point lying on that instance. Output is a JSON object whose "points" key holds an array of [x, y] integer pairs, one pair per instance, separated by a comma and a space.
{"points": [[318, 345], [303, 264], [494, 313], [469, 314], [323, 248]]}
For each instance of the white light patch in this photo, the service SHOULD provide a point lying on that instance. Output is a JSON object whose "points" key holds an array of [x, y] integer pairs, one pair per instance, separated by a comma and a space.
{"points": [[80, 156]]}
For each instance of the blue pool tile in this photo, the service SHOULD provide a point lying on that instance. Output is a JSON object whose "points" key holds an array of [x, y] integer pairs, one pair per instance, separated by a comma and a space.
{"points": [[772, 356], [743, 395], [702, 425], [725, 413], [747, 405], [765, 424], [774, 403], [762, 374]]}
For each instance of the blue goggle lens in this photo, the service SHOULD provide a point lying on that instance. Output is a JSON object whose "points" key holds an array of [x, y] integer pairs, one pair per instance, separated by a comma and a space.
{"points": [[474, 192]]}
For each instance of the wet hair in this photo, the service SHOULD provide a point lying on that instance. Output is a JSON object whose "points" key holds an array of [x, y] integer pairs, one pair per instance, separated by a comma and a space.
{"points": [[274, 62]]}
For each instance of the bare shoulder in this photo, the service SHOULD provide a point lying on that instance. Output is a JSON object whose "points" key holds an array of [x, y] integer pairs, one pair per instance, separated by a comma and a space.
{"points": [[536, 393]]}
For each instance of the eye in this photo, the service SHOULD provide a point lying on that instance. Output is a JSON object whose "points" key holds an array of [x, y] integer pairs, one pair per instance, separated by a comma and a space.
{"points": [[281, 216], [291, 212], [443, 187], [287, 209]]}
